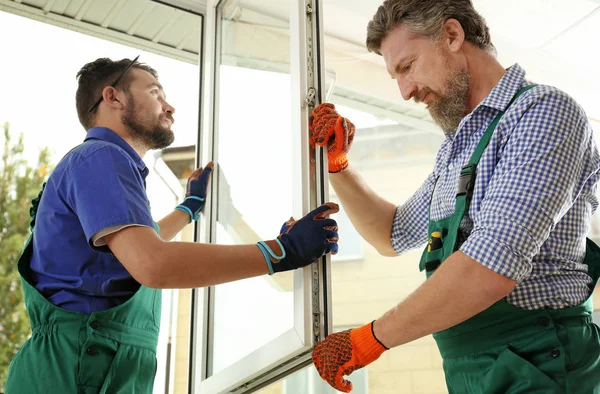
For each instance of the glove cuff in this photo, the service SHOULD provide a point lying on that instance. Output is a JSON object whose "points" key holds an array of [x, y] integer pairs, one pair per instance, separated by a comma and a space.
{"points": [[192, 205], [364, 341], [338, 164], [185, 209], [268, 251]]}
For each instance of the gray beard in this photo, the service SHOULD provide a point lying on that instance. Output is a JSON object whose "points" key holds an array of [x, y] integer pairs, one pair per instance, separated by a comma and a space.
{"points": [[447, 111]]}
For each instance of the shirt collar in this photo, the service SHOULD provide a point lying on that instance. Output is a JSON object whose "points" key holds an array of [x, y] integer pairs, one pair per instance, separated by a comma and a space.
{"points": [[106, 134], [505, 89]]}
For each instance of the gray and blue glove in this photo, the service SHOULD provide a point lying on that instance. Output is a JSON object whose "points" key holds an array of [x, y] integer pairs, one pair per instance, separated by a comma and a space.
{"points": [[195, 193], [303, 241]]}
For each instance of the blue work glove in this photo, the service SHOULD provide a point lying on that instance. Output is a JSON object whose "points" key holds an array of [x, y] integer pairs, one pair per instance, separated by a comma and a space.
{"points": [[196, 192], [303, 241]]}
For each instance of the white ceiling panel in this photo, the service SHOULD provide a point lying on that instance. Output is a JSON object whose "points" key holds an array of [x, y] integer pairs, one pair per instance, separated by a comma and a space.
{"points": [[60, 6], [580, 41], [97, 11], [71, 9], [555, 40], [172, 29], [530, 24]]}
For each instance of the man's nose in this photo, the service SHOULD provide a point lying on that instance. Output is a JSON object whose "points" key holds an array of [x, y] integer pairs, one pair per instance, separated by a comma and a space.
{"points": [[407, 88]]}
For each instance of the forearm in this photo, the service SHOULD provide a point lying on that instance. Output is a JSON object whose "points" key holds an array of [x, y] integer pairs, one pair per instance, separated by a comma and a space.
{"points": [[458, 290], [159, 264], [371, 215], [188, 265], [172, 224]]}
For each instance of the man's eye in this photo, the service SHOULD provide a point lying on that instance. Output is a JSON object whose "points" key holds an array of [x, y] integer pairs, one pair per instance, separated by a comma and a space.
{"points": [[408, 66]]}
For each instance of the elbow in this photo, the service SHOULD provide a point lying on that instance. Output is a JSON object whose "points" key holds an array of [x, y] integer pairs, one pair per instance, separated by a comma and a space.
{"points": [[143, 254], [387, 252], [386, 249], [151, 280], [491, 286], [149, 276], [499, 287], [383, 241], [149, 270]]}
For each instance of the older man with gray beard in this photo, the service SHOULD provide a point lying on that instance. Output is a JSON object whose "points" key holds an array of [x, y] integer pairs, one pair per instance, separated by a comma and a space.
{"points": [[504, 214]]}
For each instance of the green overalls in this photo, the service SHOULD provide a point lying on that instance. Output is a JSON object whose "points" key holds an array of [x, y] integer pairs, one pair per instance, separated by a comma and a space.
{"points": [[506, 349], [110, 351]]}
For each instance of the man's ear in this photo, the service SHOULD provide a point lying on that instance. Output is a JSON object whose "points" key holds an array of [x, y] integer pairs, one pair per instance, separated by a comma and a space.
{"points": [[113, 97], [453, 35]]}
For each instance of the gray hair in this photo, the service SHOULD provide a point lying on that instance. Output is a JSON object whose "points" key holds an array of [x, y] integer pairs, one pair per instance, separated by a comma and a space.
{"points": [[426, 18]]}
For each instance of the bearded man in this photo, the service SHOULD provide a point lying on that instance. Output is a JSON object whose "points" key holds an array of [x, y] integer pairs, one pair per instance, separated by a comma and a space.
{"points": [[96, 261], [504, 215]]}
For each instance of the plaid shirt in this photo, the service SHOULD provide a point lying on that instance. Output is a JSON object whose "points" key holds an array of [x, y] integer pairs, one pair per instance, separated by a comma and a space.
{"points": [[534, 196]]}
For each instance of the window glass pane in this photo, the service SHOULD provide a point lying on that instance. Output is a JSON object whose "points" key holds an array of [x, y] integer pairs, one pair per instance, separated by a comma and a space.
{"points": [[396, 143], [365, 288], [255, 172]]}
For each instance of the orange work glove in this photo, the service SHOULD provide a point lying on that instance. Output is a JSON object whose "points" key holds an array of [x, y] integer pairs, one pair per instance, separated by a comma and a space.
{"points": [[344, 352], [327, 127]]}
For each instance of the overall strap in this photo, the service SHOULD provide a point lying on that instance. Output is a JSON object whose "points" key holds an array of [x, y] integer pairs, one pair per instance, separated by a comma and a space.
{"points": [[25, 258], [485, 139], [466, 183], [35, 203]]}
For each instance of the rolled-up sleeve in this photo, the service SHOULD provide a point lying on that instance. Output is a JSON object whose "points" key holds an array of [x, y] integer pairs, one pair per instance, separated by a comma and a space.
{"points": [[535, 182], [409, 229]]}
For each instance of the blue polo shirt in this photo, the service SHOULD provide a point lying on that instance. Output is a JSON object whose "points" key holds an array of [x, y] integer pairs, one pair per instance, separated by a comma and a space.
{"points": [[97, 185]]}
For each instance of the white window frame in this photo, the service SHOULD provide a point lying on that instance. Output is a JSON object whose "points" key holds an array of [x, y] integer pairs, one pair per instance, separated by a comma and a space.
{"points": [[312, 285]]}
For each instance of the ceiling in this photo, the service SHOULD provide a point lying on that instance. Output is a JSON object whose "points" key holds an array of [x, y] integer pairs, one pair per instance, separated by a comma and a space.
{"points": [[556, 41], [153, 26]]}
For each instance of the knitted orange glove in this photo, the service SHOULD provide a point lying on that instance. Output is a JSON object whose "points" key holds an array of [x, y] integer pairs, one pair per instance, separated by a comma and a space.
{"points": [[327, 127], [344, 352]]}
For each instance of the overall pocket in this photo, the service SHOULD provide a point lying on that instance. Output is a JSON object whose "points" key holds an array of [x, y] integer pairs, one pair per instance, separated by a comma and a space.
{"points": [[512, 374]]}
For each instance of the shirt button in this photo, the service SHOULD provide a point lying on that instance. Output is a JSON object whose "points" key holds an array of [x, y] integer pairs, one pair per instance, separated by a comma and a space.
{"points": [[92, 351], [555, 353], [450, 166], [544, 321], [95, 325]]}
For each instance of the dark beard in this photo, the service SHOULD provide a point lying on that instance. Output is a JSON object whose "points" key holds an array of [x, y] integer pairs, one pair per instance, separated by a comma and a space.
{"points": [[447, 111], [153, 137]]}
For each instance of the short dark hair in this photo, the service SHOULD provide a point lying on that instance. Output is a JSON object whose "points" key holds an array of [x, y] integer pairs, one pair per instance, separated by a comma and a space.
{"points": [[426, 18], [94, 77]]}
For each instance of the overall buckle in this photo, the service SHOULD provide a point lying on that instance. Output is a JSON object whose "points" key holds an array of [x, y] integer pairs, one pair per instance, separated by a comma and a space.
{"points": [[466, 182], [432, 265]]}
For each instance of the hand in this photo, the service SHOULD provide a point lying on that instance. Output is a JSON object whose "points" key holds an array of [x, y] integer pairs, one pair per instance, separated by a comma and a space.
{"points": [[197, 186], [327, 127], [344, 352], [303, 241]]}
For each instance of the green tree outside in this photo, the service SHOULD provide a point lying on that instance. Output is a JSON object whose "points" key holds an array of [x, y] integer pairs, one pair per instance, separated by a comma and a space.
{"points": [[20, 182]]}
